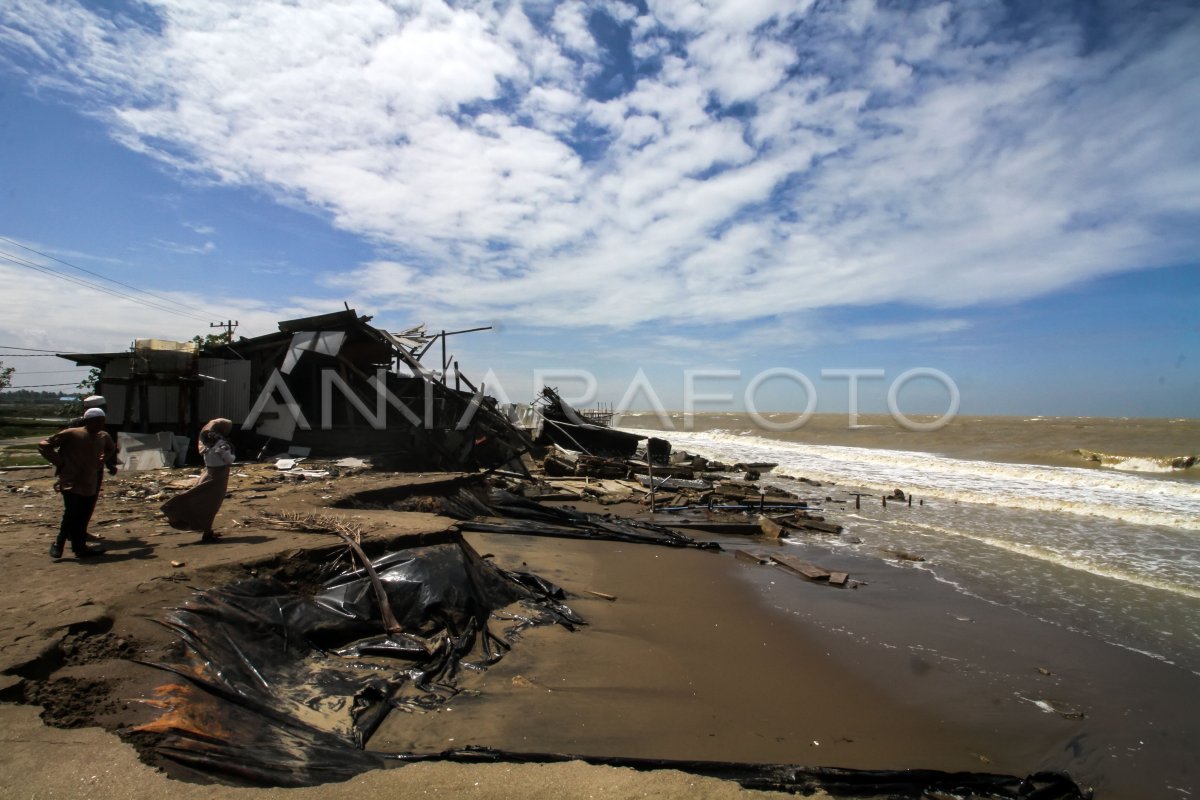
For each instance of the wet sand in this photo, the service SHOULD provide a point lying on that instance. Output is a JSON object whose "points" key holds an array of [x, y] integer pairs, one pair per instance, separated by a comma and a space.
{"points": [[706, 656], [701, 656], [684, 664], [1028, 694]]}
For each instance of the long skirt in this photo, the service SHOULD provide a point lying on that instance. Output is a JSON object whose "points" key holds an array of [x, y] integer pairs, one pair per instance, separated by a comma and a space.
{"points": [[196, 508]]}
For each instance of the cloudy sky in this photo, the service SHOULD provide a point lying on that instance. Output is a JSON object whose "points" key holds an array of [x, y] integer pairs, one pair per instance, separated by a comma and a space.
{"points": [[1005, 192]]}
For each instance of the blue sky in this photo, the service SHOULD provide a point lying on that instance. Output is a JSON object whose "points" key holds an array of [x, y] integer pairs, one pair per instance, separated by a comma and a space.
{"points": [[1007, 193]]}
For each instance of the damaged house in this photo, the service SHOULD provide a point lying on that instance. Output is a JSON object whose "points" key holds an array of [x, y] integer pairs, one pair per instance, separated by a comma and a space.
{"points": [[326, 386], [582, 431]]}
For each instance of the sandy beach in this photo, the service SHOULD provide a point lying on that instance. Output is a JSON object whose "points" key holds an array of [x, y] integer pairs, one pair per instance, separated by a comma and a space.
{"points": [[700, 656]]}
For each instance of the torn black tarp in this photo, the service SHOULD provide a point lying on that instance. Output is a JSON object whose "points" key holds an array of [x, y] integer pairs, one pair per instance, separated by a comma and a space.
{"points": [[279, 685]]}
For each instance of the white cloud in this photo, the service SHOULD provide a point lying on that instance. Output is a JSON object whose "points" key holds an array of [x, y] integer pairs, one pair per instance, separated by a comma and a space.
{"points": [[82, 319], [745, 159], [909, 330], [186, 249], [570, 23]]}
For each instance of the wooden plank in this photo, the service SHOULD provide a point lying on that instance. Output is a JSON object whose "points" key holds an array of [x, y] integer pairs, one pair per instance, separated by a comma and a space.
{"points": [[729, 528], [838, 578], [746, 555], [614, 486], [810, 571], [813, 525], [769, 527]]}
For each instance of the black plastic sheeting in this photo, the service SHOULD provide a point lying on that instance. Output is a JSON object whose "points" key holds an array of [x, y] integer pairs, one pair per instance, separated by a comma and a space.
{"points": [[534, 519], [286, 690], [279, 689]]}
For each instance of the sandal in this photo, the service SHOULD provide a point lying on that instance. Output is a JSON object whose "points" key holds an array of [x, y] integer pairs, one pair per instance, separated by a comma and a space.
{"points": [[210, 537]]}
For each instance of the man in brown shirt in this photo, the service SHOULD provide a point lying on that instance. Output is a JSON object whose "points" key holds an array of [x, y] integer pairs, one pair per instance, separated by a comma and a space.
{"points": [[78, 454]]}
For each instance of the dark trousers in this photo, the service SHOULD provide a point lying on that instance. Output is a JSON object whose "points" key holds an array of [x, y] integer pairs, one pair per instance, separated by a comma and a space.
{"points": [[77, 512]]}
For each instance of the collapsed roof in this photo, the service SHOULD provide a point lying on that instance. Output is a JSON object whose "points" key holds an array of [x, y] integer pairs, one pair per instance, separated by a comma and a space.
{"points": [[327, 385]]}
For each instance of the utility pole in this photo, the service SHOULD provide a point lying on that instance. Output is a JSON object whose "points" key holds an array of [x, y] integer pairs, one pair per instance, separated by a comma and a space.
{"points": [[228, 325]]}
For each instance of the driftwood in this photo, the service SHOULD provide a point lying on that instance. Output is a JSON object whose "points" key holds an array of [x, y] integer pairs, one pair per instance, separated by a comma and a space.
{"points": [[808, 523], [352, 536]]}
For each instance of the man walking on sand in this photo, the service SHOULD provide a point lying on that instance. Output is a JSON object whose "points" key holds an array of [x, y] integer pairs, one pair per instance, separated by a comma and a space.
{"points": [[78, 453], [93, 401]]}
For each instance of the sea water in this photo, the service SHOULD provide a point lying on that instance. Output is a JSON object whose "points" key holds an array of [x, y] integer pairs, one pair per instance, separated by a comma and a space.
{"points": [[1091, 524]]}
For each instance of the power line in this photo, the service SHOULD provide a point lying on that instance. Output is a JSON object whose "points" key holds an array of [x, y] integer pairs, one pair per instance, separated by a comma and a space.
{"points": [[90, 285], [98, 275], [47, 371], [34, 349], [41, 386]]}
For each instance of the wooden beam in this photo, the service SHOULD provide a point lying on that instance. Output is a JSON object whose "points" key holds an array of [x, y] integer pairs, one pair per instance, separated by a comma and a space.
{"points": [[770, 528], [753, 558], [801, 567]]}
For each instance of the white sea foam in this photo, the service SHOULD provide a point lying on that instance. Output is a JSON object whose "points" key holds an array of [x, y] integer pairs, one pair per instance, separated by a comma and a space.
{"points": [[1142, 465], [1116, 495], [1139, 464], [1130, 567]]}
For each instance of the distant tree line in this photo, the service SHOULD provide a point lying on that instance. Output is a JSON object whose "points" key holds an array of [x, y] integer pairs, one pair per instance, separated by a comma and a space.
{"points": [[30, 397]]}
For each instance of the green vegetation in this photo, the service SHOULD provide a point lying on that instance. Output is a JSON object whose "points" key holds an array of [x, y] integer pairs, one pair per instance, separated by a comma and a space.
{"points": [[25, 397], [24, 428], [211, 339], [27, 422], [26, 414], [20, 455]]}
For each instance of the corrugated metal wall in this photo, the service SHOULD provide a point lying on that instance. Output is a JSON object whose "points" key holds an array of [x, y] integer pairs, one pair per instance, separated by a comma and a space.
{"points": [[225, 391]]}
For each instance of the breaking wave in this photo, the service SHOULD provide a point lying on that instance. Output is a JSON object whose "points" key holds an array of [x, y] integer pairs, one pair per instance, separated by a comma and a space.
{"points": [[1118, 494], [1139, 463]]}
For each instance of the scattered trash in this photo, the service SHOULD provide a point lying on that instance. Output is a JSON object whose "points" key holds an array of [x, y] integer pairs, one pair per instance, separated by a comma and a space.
{"points": [[309, 473], [352, 463]]}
